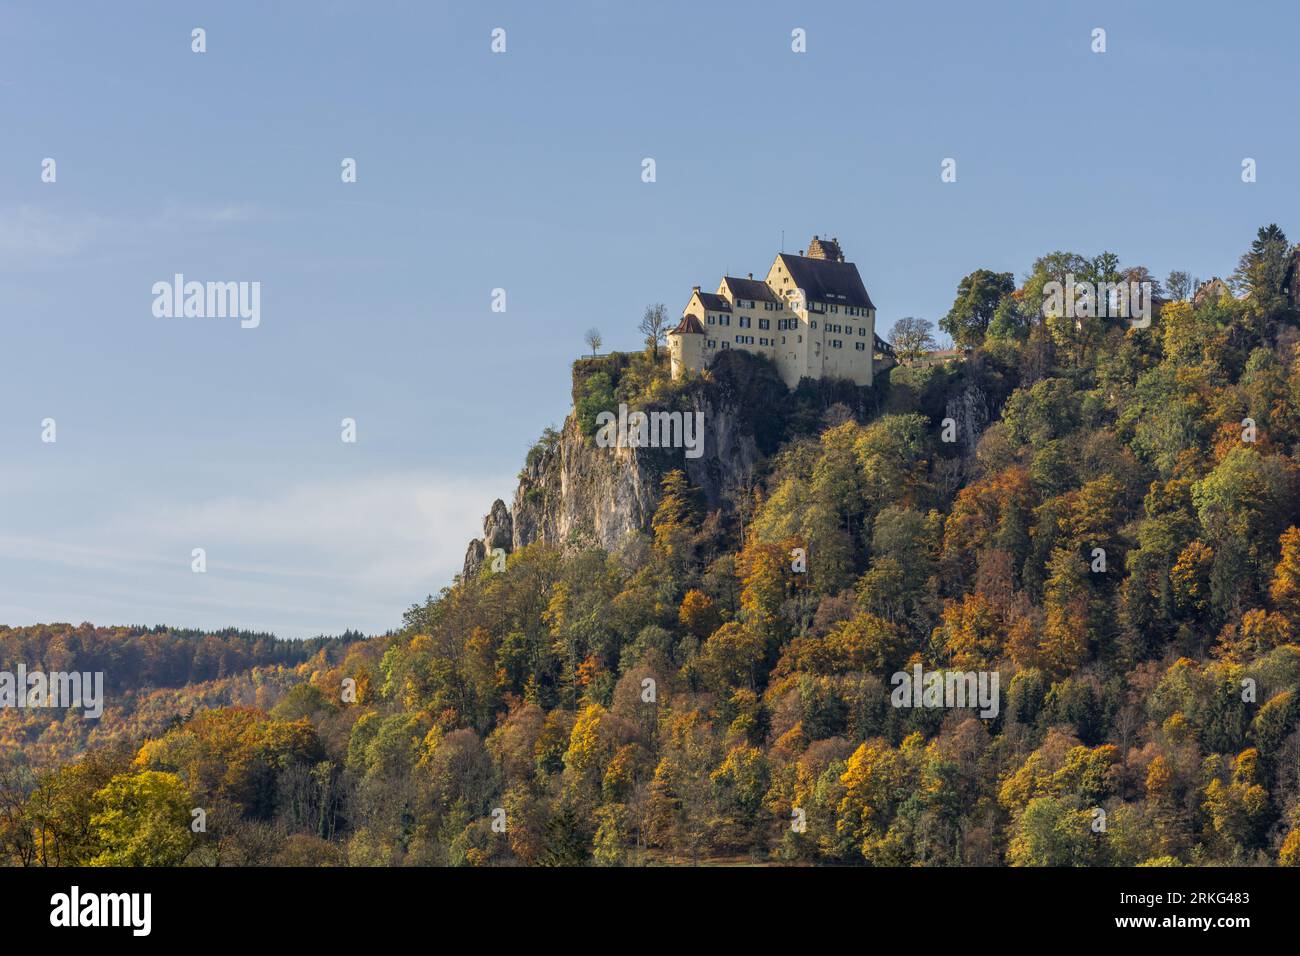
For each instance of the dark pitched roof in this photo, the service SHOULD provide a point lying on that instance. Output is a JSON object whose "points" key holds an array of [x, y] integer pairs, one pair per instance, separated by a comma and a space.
{"points": [[824, 280], [755, 289], [714, 302], [689, 323]]}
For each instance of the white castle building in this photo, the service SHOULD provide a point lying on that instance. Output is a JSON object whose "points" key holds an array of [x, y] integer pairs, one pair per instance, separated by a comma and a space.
{"points": [[811, 316]]}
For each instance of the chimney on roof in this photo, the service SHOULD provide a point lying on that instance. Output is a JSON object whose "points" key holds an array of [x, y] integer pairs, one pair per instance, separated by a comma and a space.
{"points": [[751, 275]]}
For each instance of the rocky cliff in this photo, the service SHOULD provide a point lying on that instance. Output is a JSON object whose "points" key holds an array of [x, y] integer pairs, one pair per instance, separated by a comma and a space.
{"points": [[572, 492], [969, 410]]}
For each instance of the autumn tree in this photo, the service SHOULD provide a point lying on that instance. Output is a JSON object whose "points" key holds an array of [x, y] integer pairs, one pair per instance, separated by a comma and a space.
{"points": [[142, 819], [698, 614], [1285, 589]]}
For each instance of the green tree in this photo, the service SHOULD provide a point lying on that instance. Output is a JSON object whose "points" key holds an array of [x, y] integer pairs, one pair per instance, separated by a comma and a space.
{"points": [[1179, 285], [1050, 831], [978, 295]]}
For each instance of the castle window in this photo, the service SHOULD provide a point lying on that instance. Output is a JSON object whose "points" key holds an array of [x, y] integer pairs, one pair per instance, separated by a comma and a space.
{"points": [[744, 321], [764, 323], [726, 345], [813, 323], [711, 344], [860, 346], [710, 320]]}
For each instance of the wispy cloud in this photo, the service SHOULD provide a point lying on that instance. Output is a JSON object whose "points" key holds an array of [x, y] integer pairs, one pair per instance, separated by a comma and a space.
{"points": [[33, 231], [316, 556], [210, 214]]}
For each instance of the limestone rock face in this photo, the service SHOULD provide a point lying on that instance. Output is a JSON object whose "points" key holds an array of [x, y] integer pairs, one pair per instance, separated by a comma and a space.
{"points": [[496, 534], [725, 472], [498, 528], [578, 493], [474, 555], [969, 409], [573, 493]]}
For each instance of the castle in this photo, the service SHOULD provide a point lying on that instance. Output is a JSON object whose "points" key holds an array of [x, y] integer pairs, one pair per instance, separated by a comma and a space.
{"points": [[811, 316]]}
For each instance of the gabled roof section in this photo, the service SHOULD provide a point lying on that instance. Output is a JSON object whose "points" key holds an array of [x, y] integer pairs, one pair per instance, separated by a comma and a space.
{"points": [[825, 280], [689, 325], [821, 248], [714, 302], [755, 289], [1212, 287]]}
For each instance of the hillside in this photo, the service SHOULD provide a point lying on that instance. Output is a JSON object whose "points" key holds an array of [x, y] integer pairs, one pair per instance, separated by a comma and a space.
{"points": [[687, 659]]}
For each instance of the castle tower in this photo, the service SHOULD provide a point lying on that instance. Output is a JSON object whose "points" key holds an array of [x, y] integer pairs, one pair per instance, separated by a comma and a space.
{"points": [[686, 345]]}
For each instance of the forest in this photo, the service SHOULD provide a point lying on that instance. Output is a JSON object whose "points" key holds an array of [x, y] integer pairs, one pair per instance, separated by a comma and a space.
{"points": [[1119, 542]]}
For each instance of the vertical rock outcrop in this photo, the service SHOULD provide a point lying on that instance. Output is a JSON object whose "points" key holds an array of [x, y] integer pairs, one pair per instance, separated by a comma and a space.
{"points": [[969, 410], [497, 527], [474, 555], [497, 533]]}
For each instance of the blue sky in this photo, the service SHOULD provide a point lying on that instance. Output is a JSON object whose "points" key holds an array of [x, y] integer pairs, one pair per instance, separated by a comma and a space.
{"points": [[520, 171]]}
